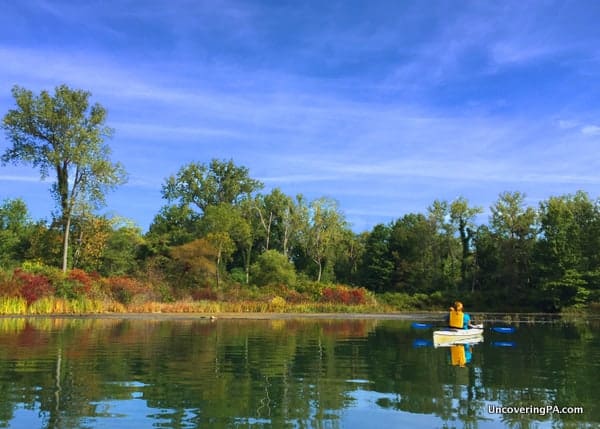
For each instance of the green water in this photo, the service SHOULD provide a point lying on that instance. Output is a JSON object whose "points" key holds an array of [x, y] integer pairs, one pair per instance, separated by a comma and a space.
{"points": [[74, 373]]}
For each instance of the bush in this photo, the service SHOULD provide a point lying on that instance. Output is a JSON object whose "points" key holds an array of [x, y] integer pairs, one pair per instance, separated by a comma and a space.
{"points": [[123, 289], [344, 295], [273, 267], [32, 286]]}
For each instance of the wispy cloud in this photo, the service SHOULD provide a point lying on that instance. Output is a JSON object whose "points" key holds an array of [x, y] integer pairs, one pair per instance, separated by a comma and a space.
{"points": [[388, 106]]}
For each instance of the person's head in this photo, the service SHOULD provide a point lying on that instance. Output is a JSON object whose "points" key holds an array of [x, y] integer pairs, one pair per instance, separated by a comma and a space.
{"points": [[458, 306]]}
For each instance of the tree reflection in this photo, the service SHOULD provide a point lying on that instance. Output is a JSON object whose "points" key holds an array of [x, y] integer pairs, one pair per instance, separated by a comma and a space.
{"points": [[284, 373]]}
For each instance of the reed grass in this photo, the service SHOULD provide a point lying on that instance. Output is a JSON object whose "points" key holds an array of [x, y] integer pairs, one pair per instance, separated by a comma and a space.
{"points": [[10, 305]]}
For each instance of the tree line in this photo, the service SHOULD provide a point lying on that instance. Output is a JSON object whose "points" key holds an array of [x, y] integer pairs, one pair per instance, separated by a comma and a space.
{"points": [[218, 227]]}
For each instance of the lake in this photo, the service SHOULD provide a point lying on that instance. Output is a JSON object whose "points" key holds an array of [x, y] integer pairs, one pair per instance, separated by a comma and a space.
{"points": [[293, 373]]}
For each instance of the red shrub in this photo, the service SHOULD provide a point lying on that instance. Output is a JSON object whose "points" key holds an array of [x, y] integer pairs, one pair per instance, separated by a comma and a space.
{"points": [[344, 295], [124, 288], [82, 279], [32, 286]]}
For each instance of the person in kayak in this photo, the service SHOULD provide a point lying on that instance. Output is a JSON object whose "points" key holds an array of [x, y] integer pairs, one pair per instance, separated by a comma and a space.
{"points": [[457, 319]]}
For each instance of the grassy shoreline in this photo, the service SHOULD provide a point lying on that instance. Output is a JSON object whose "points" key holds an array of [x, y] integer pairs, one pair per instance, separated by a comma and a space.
{"points": [[418, 316]]}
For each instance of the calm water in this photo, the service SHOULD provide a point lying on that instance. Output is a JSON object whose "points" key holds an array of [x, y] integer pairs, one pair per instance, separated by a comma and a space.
{"points": [[71, 373]]}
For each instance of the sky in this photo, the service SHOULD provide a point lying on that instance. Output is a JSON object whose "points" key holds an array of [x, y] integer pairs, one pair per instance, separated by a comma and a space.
{"points": [[384, 106]]}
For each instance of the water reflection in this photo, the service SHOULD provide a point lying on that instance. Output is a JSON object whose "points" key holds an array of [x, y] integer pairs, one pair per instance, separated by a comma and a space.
{"points": [[70, 373]]}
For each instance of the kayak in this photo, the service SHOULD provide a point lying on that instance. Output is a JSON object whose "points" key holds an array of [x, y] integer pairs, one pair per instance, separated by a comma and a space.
{"points": [[449, 336]]}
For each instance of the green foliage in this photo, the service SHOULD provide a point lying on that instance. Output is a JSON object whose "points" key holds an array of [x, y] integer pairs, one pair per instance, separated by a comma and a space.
{"points": [[64, 135], [172, 226], [15, 231], [272, 267], [196, 262], [411, 245], [377, 265], [203, 185]]}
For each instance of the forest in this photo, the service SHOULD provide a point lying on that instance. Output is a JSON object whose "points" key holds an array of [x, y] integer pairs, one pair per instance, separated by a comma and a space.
{"points": [[221, 238]]}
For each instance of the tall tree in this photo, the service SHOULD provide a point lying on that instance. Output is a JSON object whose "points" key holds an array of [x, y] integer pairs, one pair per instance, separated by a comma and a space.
{"points": [[324, 232], [412, 241], [63, 134], [446, 260], [515, 228], [15, 230], [377, 265], [204, 185], [566, 253], [463, 218], [225, 228]]}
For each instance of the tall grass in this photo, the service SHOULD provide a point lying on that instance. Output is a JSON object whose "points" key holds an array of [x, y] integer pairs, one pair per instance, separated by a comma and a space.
{"points": [[12, 305]]}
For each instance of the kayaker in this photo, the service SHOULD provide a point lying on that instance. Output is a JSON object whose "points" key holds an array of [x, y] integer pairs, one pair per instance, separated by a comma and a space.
{"points": [[457, 319]]}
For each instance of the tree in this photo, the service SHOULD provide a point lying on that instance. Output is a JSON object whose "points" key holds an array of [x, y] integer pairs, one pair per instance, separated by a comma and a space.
{"points": [[225, 228], [172, 226], [446, 261], [209, 185], [463, 217], [377, 265], [566, 253], [514, 227], [120, 256], [64, 135], [411, 245], [272, 267], [197, 259], [15, 230], [324, 232]]}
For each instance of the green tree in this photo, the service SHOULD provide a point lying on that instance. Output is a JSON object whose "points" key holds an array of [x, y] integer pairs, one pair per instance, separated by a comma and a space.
{"points": [[515, 230], [224, 226], [15, 232], [204, 185], [566, 253], [273, 267], [122, 249], [64, 135], [324, 232], [348, 256], [174, 225], [197, 261], [463, 219], [412, 241], [377, 265], [446, 261]]}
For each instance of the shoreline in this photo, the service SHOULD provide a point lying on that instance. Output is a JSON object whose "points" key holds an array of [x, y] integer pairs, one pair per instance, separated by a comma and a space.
{"points": [[418, 316]]}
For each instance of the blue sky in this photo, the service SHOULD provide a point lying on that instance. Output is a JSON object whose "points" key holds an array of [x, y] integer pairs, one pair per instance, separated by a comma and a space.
{"points": [[384, 106]]}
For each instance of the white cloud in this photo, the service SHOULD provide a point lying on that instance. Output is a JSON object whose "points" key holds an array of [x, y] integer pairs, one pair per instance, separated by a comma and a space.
{"points": [[590, 130]]}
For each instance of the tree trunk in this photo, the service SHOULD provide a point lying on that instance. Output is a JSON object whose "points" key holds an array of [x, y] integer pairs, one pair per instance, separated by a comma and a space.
{"points": [[218, 266], [320, 270], [66, 243]]}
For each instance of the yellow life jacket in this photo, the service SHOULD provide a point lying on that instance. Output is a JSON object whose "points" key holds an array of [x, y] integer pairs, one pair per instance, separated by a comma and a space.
{"points": [[458, 355], [456, 319]]}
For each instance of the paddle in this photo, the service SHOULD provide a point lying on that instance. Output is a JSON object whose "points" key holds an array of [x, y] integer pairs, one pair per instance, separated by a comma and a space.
{"points": [[419, 342], [420, 325], [503, 343], [504, 329]]}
